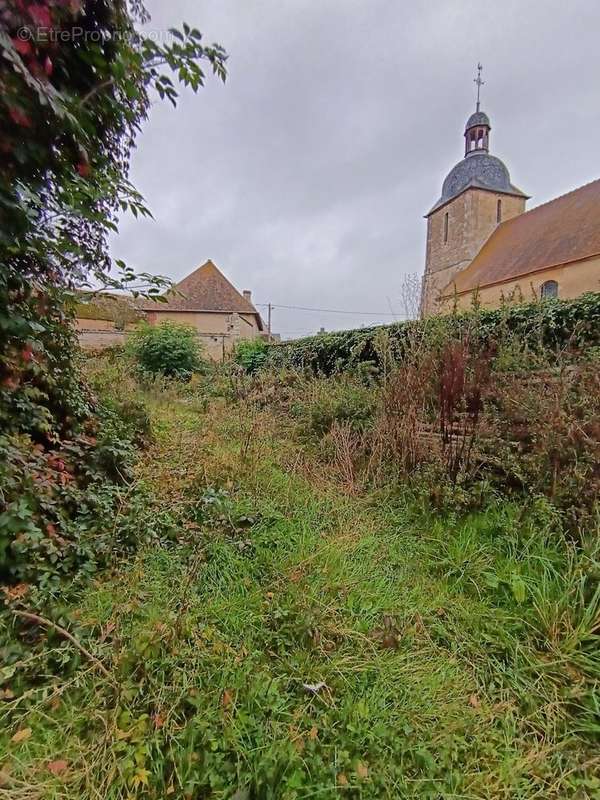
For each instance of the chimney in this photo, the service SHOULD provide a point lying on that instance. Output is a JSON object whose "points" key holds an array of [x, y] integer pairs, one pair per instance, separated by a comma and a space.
{"points": [[247, 295]]}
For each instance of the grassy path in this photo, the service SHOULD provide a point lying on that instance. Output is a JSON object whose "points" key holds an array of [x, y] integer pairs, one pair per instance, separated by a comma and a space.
{"points": [[303, 643]]}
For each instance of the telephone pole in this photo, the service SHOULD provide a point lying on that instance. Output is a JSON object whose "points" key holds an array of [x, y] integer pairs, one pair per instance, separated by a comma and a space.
{"points": [[269, 307]]}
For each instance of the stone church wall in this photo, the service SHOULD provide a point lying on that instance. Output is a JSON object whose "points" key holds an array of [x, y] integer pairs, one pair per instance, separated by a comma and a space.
{"points": [[573, 280], [472, 217]]}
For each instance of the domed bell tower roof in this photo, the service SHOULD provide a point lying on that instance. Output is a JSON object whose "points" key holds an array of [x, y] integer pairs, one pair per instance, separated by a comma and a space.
{"points": [[478, 169], [478, 118]]}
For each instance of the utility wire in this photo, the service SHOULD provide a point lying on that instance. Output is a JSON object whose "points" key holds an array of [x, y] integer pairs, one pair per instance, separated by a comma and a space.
{"points": [[330, 310]]}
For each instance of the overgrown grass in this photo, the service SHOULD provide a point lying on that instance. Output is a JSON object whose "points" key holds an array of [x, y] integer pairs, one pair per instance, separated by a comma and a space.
{"points": [[299, 641]]}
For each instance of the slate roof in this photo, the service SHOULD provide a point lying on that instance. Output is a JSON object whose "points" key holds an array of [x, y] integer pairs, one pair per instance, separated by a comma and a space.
{"points": [[478, 118], [564, 230], [477, 170], [205, 289]]}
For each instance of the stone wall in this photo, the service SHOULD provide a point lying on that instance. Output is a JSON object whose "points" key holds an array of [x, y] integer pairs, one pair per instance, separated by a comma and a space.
{"points": [[243, 326], [217, 347]]}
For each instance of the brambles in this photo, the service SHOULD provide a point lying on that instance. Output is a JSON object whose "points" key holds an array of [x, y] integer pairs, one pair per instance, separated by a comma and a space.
{"points": [[543, 435], [71, 106], [58, 505]]}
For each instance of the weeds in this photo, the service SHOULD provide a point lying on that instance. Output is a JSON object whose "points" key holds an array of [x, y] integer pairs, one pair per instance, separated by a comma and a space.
{"points": [[321, 606]]}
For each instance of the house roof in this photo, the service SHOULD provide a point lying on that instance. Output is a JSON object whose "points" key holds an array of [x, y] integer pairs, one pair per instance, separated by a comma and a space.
{"points": [[554, 234], [106, 306], [205, 289]]}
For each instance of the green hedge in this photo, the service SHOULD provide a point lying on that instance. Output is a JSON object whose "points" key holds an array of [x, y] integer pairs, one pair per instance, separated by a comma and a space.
{"points": [[547, 324]]}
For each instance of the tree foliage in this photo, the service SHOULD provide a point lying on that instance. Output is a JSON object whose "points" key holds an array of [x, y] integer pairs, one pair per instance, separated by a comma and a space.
{"points": [[169, 349], [76, 85]]}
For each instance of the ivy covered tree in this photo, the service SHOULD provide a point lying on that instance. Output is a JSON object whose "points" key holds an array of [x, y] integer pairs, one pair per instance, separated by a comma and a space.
{"points": [[76, 79]]}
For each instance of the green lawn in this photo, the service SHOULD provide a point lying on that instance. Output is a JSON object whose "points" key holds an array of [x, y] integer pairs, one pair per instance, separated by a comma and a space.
{"points": [[305, 642]]}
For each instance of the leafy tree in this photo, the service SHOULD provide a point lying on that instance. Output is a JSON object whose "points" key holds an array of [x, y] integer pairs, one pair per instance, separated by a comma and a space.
{"points": [[76, 83], [75, 86], [168, 349]]}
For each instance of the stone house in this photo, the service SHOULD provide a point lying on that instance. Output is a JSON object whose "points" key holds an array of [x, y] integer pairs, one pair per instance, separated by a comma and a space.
{"points": [[105, 319], [482, 244], [209, 303]]}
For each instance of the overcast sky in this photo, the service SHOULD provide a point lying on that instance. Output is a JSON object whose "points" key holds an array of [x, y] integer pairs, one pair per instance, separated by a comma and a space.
{"points": [[306, 176]]}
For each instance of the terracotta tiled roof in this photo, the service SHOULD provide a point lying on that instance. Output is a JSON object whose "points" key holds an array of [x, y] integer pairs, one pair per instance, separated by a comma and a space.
{"points": [[564, 230], [205, 289]]}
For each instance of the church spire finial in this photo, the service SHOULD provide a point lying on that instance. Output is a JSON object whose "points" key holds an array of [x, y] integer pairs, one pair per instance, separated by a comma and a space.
{"points": [[479, 82]]}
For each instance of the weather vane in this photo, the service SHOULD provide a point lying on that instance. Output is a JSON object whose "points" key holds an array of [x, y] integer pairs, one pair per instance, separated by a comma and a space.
{"points": [[479, 82]]}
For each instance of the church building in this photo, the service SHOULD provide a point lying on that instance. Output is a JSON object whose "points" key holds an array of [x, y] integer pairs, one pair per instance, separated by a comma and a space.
{"points": [[483, 246]]}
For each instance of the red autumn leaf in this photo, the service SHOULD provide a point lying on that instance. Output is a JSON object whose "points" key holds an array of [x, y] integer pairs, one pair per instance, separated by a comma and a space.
{"points": [[22, 47], [83, 169], [40, 15], [10, 382], [19, 117], [56, 767]]}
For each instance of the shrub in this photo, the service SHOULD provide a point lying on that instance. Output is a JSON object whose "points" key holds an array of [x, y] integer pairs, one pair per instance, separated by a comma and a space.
{"points": [[339, 399], [542, 434], [168, 349], [122, 402], [250, 355], [41, 390]]}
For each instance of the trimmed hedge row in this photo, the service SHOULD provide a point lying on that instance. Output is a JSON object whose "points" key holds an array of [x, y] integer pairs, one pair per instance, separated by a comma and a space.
{"points": [[547, 324]]}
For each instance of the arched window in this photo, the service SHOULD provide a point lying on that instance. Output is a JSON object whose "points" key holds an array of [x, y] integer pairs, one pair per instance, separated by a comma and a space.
{"points": [[499, 211], [549, 289], [446, 227]]}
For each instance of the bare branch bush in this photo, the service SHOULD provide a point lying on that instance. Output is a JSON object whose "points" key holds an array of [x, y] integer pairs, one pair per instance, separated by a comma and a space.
{"points": [[347, 449], [411, 292]]}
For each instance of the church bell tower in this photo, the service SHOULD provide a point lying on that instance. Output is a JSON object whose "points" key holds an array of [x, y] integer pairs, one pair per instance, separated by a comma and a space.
{"points": [[477, 196]]}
